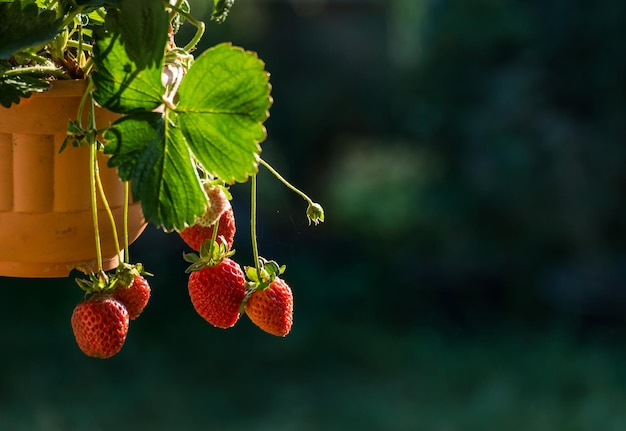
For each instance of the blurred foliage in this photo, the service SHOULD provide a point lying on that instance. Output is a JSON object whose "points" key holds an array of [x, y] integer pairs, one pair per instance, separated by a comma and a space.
{"points": [[480, 142], [479, 145]]}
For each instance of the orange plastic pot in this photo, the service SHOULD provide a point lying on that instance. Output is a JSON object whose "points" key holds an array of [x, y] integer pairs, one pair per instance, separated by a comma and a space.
{"points": [[46, 222]]}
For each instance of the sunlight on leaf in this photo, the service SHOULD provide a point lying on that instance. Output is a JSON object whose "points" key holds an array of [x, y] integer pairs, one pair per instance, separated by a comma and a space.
{"points": [[224, 100], [126, 81], [152, 154]]}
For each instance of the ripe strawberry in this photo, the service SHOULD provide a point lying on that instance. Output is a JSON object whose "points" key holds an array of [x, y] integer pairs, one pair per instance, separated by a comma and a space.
{"points": [[100, 325], [271, 309], [134, 297], [217, 291], [196, 235]]}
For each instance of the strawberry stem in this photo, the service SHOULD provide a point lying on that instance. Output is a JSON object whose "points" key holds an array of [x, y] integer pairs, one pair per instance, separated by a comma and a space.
{"points": [[126, 203], [213, 237], [255, 247], [92, 188], [83, 100], [199, 25], [96, 187], [107, 208], [314, 212], [80, 44], [96, 181]]}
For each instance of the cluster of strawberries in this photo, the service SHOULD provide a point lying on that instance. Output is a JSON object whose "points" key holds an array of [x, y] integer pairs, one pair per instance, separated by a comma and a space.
{"points": [[220, 290], [100, 322]]}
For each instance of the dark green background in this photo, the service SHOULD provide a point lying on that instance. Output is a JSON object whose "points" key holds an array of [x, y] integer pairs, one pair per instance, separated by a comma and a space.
{"points": [[470, 157]]}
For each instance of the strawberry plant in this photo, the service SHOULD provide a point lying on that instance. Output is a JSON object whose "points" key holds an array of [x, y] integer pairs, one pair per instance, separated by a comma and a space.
{"points": [[189, 127]]}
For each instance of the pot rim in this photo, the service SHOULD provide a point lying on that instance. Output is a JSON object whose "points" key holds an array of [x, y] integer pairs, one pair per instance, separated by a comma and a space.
{"points": [[64, 88]]}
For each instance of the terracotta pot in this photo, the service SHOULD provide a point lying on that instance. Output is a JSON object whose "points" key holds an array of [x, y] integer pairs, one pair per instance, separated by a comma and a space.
{"points": [[46, 224]]}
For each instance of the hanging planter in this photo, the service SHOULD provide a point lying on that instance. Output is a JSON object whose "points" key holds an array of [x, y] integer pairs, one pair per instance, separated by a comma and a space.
{"points": [[46, 220]]}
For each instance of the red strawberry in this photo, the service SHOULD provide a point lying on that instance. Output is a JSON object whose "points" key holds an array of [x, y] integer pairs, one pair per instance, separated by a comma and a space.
{"points": [[134, 297], [217, 291], [100, 325], [271, 309], [196, 235]]}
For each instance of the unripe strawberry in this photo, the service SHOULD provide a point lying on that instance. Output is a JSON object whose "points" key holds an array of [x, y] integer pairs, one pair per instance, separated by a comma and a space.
{"points": [[217, 291], [196, 235], [271, 309], [217, 204], [134, 297], [100, 325]]}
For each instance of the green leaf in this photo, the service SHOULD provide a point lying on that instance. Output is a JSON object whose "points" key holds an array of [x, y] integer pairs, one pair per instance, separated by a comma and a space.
{"points": [[23, 24], [218, 122], [129, 60], [15, 87], [223, 101], [144, 28], [152, 154]]}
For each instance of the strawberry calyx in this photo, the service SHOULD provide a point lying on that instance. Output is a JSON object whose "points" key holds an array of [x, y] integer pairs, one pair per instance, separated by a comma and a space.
{"points": [[101, 282], [126, 273], [262, 275], [97, 283], [211, 253]]}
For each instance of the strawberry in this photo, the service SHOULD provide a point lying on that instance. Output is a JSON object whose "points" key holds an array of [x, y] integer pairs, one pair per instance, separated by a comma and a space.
{"points": [[217, 204], [197, 234], [216, 292], [100, 325], [271, 309], [134, 297]]}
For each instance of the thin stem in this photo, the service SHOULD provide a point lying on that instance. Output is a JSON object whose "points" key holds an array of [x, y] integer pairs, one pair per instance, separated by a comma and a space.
{"points": [[88, 66], [81, 107], [96, 174], [193, 21], [213, 239], [107, 208], [40, 60], [126, 203], [94, 202], [80, 45], [68, 19], [255, 247], [51, 70], [314, 211], [285, 182], [178, 4]]}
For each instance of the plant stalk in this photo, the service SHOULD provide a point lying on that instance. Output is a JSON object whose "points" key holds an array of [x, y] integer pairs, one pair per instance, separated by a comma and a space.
{"points": [[253, 215], [200, 27], [107, 208], [126, 240], [47, 70], [81, 108], [94, 202], [285, 182]]}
